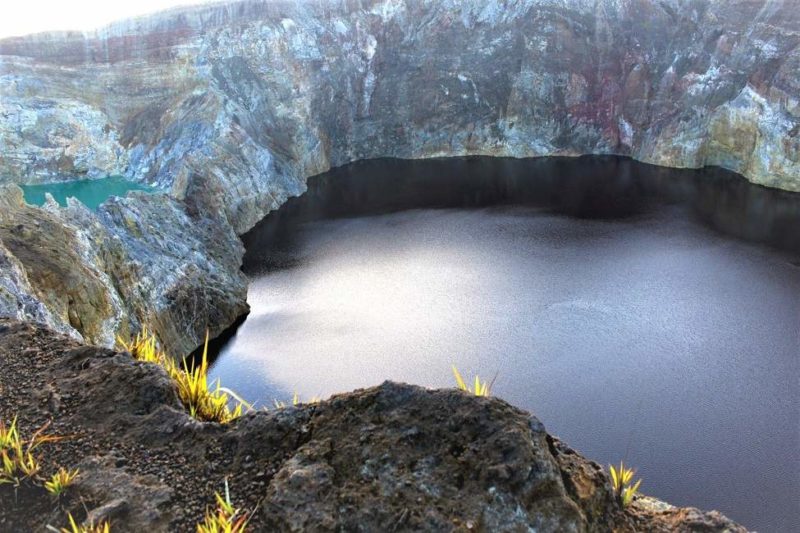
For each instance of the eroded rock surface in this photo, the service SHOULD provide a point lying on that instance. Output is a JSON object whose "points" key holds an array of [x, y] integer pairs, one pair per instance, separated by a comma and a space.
{"points": [[390, 458], [141, 260], [231, 106], [256, 96]]}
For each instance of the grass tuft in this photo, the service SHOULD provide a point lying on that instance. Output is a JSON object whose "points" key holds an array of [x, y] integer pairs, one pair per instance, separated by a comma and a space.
{"points": [[17, 462], [191, 380], [74, 527], [204, 403], [621, 479], [296, 401], [60, 481], [479, 388], [225, 518], [143, 348], [8, 434]]}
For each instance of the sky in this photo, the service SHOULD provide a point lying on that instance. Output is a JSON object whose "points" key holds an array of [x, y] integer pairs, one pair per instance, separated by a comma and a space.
{"points": [[21, 17]]}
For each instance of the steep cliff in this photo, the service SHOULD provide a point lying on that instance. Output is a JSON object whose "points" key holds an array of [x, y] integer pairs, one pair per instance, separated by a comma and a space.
{"points": [[141, 260], [257, 96], [230, 107]]}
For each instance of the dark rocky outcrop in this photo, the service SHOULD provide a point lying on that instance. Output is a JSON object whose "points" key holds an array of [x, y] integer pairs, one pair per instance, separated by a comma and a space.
{"points": [[231, 106], [390, 458], [139, 260]]}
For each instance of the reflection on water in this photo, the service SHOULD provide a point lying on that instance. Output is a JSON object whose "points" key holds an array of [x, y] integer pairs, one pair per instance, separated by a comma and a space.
{"points": [[621, 303], [593, 187]]}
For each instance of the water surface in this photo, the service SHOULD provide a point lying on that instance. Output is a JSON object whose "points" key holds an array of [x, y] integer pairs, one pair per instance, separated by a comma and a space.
{"points": [[91, 192], [639, 312]]}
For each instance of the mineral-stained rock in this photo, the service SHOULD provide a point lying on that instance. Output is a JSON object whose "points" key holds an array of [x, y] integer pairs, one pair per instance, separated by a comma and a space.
{"points": [[231, 106], [390, 458], [16, 294], [52, 254], [139, 260], [255, 96]]}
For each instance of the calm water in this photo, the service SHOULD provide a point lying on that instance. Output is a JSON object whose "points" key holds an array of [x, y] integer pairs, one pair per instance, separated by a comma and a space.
{"points": [[91, 193], [639, 312]]}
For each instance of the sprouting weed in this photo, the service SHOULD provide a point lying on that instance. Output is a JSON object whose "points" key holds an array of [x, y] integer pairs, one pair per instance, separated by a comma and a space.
{"points": [[27, 464], [74, 527], [203, 402], [191, 380], [480, 388], [225, 518], [8, 434], [143, 348], [17, 461], [60, 481], [296, 401], [621, 479]]}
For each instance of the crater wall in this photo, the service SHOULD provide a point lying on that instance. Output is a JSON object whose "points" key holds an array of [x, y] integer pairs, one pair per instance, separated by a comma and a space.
{"points": [[231, 106]]}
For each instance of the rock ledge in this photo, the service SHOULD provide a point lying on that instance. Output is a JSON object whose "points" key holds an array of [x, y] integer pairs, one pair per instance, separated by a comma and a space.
{"points": [[390, 458]]}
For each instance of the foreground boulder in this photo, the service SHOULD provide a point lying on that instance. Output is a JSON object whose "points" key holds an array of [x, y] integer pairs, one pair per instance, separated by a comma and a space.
{"points": [[390, 458]]}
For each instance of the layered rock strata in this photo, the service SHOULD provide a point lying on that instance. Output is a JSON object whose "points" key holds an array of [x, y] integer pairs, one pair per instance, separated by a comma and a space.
{"points": [[141, 260], [230, 107]]}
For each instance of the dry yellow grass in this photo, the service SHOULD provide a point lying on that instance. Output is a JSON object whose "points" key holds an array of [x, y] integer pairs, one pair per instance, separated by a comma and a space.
{"points": [[225, 518], [621, 479], [479, 388], [191, 380]]}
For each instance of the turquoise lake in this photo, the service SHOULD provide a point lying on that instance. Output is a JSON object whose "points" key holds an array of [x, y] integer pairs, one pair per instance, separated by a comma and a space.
{"points": [[91, 193]]}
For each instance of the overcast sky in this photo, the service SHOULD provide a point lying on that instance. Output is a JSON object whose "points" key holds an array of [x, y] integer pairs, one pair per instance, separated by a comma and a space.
{"points": [[20, 17]]}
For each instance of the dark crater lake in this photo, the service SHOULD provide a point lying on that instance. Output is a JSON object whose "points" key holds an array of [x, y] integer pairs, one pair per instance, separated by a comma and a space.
{"points": [[640, 312]]}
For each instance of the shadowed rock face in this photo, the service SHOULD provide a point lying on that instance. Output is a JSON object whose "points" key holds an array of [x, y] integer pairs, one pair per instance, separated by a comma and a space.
{"points": [[230, 107], [145, 259], [260, 95], [389, 458]]}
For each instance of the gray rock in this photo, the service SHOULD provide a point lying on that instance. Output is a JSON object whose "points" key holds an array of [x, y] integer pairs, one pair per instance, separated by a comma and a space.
{"points": [[256, 96], [139, 260], [390, 458], [230, 107]]}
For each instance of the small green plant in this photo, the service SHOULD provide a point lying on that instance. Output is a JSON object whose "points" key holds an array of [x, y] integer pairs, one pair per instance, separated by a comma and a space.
{"points": [[295, 401], [143, 348], [225, 518], [18, 465], [60, 481], [204, 403], [8, 434], [480, 388], [17, 462], [621, 479], [75, 527], [191, 380]]}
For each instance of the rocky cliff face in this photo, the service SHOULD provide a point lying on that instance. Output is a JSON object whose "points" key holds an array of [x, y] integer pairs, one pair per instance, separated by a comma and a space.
{"points": [[141, 260], [262, 94], [230, 107]]}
